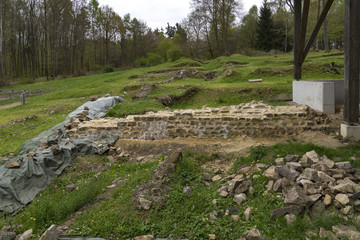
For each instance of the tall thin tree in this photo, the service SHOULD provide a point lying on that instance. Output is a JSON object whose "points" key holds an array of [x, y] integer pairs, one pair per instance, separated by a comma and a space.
{"points": [[326, 40], [265, 32], [1, 45]]}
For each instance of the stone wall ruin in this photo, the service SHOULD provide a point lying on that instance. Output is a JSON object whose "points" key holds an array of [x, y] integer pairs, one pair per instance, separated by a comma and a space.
{"points": [[255, 119]]}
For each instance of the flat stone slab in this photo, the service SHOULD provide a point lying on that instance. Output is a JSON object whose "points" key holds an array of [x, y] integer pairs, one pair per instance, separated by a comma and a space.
{"points": [[292, 209]]}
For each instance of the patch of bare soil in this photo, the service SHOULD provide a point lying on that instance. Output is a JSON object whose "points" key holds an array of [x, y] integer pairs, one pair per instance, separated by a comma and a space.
{"points": [[168, 100], [152, 150], [226, 149], [332, 68], [256, 91], [145, 91], [10, 105]]}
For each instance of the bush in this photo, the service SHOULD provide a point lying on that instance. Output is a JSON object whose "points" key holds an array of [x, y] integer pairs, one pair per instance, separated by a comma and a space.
{"points": [[153, 59], [163, 47], [140, 62], [96, 68], [108, 69], [174, 53]]}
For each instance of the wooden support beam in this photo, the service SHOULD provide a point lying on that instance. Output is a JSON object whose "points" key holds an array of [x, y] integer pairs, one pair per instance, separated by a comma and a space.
{"points": [[352, 61], [304, 23], [312, 38], [297, 39]]}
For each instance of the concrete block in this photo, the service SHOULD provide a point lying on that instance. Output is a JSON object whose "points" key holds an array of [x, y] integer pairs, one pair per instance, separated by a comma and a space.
{"points": [[352, 132], [319, 95]]}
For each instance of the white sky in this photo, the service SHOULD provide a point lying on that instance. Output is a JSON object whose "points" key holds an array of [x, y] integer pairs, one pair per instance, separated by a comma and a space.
{"points": [[157, 13]]}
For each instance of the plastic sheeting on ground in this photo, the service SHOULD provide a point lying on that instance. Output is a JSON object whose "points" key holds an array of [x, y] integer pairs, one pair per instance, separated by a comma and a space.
{"points": [[39, 165], [98, 108]]}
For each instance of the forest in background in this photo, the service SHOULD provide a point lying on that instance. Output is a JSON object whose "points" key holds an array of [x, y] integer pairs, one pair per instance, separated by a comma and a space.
{"points": [[51, 38]]}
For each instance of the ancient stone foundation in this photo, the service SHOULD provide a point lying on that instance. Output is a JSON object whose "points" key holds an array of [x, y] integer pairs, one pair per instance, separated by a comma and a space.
{"points": [[254, 119]]}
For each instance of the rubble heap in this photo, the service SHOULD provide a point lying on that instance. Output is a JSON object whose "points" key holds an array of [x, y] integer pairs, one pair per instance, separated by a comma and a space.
{"points": [[316, 182]]}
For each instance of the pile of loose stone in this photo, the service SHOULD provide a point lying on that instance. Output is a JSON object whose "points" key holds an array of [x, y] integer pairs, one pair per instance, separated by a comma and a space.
{"points": [[307, 182], [315, 182], [153, 191]]}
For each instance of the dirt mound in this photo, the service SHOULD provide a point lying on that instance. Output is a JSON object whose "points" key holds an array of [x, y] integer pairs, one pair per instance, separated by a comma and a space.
{"points": [[236, 63], [209, 76], [181, 74], [145, 91], [188, 64], [166, 70], [256, 91], [273, 71], [332, 68], [168, 100]]}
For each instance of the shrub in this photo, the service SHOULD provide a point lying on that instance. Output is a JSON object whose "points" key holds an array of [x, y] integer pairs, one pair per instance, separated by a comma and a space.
{"points": [[174, 53], [140, 62], [96, 68], [153, 59], [108, 69]]}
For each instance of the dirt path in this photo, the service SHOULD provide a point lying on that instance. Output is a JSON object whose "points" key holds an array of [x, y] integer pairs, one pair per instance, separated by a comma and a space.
{"points": [[151, 150], [10, 105]]}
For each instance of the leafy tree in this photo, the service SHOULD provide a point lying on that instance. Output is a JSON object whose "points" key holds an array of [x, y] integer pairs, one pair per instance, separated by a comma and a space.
{"points": [[248, 28], [265, 31], [170, 31], [282, 23], [163, 47], [218, 17], [336, 25], [94, 15]]}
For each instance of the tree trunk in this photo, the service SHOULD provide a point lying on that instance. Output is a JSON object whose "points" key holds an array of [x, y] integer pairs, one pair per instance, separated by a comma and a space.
{"points": [[46, 48], [326, 41], [286, 33], [316, 45], [1, 47], [106, 47]]}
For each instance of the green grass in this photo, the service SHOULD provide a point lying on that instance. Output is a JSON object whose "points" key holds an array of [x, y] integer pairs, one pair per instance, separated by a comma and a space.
{"points": [[188, 216], [68, 94], [46, 210], [184, 217]]}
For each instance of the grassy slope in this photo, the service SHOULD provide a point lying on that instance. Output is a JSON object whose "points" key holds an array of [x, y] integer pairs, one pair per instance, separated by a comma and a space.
{"points": [[69, 93], [116, 217], [184, 216]]}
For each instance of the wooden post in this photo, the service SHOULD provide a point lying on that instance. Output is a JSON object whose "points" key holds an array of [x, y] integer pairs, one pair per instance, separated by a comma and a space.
{"points": [[297, 39], [317, 29], [352, 61], [304, 23], [22, 98]]}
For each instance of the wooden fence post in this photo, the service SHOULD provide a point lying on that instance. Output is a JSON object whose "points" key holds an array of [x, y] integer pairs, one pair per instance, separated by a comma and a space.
{"points": [[22, 98]]}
